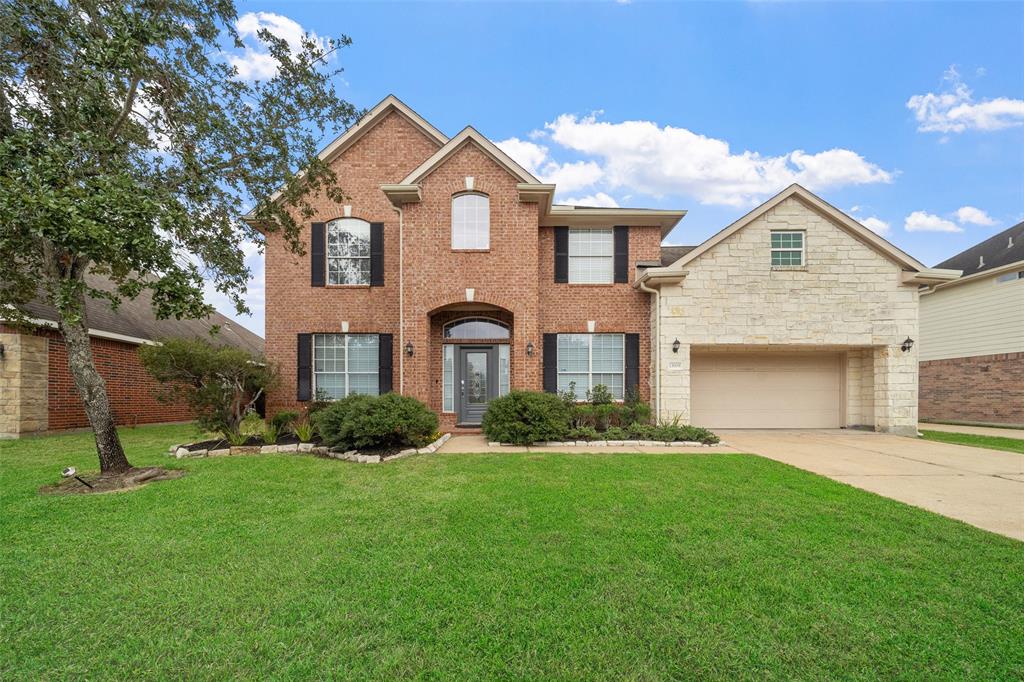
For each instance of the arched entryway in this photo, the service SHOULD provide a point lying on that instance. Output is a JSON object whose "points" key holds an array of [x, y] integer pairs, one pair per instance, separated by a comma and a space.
{"points": [[472, 348]]}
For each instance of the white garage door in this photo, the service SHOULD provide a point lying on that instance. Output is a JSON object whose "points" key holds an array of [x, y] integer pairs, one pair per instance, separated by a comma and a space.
{"points": [[766, 390]]}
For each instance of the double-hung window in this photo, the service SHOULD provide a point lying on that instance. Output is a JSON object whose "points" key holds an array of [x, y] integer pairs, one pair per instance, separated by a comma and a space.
{"points": [[471, 222], [591, 256], [591, 359], [348, 251], [344, 364], [787, 248]]}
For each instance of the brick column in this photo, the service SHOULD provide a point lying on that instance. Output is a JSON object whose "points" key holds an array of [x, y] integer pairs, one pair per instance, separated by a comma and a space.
{"points": [[24, 372]]}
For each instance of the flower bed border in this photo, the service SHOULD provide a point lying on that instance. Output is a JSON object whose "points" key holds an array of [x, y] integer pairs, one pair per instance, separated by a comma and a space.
{"points": [[181, 451], [611, 444]]}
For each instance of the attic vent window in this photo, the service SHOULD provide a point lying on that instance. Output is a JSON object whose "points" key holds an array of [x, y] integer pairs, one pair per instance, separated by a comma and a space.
{"points": [[1010, 277]]}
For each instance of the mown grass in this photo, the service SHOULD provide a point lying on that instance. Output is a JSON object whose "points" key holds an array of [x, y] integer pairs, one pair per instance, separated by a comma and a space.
{"points": [[976, 440], [490, 566]]}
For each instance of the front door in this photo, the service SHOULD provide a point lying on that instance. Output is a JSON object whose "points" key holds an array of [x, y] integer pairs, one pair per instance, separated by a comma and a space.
{"points": [[476, 382]]}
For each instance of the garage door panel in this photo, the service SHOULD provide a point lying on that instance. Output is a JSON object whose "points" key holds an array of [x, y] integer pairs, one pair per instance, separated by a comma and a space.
{"points": [[766, 390]]}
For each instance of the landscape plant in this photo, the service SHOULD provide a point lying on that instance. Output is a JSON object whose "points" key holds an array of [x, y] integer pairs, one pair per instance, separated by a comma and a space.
{"points": [[220, 384], [284, 421], [524, 417], [132, 147], [304, 430], [376, 422]]}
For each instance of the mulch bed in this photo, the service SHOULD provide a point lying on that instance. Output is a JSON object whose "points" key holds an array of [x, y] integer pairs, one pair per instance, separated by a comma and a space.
{"points": [[109, 483]]}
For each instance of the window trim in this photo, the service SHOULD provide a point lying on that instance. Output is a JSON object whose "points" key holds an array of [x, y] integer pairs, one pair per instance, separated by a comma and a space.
{"points": [[328, 258], [802, 250], [469, 193], [346, 373], [590, 363], [475, 318], [610, 257]]}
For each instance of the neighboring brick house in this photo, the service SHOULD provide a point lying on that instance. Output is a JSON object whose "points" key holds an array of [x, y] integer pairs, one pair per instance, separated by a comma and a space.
{"points": [[449, 275], [38, 393], [972, 336]]}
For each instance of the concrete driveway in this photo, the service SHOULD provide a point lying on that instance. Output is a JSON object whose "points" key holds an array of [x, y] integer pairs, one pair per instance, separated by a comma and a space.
{"points": [[982, 487]]}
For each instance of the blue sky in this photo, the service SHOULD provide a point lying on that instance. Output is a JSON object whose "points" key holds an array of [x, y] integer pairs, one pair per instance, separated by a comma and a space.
{"points": [[908, 116]]}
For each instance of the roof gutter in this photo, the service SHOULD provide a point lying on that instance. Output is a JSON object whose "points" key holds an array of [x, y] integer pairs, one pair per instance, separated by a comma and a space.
{"points": [[96, 333]]}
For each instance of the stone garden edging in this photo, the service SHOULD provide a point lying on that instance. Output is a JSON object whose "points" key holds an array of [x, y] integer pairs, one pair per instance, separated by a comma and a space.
{"points": [[181, 451]]}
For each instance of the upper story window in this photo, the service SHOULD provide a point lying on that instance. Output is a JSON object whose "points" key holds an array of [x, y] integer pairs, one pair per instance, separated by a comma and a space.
{"points": [[787, 248], [591, 256], [476, 328], [471, 221], [1010, 277], [348, 251]]}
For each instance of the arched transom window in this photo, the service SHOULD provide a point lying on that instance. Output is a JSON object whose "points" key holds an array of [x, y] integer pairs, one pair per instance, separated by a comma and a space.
{"points": [[471, 221], [476, 328], [348, 251]]}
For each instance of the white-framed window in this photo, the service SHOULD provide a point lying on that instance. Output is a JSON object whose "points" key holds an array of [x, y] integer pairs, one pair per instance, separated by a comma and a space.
{"points": [[344, 364], [1009, 277], [591, 256], [592, 359], [348, 251], [471, 221], [787, 248]]}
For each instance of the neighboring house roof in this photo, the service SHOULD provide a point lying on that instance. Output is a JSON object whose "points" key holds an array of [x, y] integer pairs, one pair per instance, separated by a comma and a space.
{"points": [[135, 322], [922, 274], [670, 254], [997, 251]]}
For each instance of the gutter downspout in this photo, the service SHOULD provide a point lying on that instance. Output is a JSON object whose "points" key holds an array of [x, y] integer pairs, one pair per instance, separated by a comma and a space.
{"points": [[401, 300], [655, 345]]}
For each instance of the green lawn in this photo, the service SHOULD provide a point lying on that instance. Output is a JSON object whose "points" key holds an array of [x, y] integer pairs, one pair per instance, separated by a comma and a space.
{"points": [[993, 442], [519, 566]]}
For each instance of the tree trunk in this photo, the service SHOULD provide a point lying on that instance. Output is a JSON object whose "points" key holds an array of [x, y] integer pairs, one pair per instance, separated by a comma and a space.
{"points": [[93, 391]]}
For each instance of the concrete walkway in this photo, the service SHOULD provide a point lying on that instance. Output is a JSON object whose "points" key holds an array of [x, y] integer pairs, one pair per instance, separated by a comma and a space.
{"points": [[466, 443], [982, 487], [976, 430]]}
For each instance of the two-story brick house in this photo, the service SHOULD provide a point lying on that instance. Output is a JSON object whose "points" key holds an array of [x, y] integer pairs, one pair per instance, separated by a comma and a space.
{"points": [[449, 275]]}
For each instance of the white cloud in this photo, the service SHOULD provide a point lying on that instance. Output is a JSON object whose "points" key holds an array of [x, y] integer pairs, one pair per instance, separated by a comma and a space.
{"points": [[973, 216], [255, 62], [569, 177], [876, 225], [920, 221], [598, 200], [954, 110], [643, 157]]}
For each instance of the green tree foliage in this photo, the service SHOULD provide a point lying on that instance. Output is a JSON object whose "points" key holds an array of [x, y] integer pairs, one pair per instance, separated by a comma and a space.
{"points": [[220, 384], [130, 146]]}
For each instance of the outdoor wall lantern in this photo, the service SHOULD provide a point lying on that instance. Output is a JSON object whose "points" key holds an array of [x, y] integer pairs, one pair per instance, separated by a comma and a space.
{"points": [[408, 349], [529, 348], [675, 346], [907, 345]]}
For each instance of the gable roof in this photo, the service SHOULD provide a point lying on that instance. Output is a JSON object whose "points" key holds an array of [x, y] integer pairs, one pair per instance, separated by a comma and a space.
{"points": [[997, 251], [817, 204], [670, 254], [371, 118], [135, 322], [470, 135]]}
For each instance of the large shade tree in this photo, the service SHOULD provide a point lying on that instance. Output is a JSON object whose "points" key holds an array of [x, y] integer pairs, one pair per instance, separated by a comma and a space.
{"points": [[130, 146]]}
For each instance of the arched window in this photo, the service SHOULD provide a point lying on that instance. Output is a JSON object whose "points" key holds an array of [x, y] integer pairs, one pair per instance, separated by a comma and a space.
{"points": [[348, 251], [471, 221], [476, 328]]}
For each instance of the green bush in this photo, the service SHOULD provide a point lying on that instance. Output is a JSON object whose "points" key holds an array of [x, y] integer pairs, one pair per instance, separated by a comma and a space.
{"points": [[387, 421], [672, 431], [270, 434], [523, 417], [584, 433], [284, 421]]}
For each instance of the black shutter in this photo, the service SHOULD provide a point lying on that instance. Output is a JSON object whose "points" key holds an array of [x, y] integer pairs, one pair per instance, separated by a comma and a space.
{"points": [[385, 373], [317, 256], [376, 254], [551, 362], [561, 254], [632, 362], [621, 254], [304, 372]]}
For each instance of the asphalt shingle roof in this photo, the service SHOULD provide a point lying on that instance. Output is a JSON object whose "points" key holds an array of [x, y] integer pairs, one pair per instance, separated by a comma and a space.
{"points": [[996, 251]]}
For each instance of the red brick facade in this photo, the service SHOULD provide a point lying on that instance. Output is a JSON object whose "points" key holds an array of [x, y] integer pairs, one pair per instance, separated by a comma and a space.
{"points": [[985, 388], [513, 280], [132, 391]]}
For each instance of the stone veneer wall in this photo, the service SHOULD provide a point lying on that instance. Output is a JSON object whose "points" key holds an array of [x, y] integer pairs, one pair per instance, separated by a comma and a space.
{"points": [[23, 381], [846, 297]]}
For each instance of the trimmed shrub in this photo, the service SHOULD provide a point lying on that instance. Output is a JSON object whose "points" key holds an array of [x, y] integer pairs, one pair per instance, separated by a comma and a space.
{"points": [[523, 417], [284, 421], [376, 422]]}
